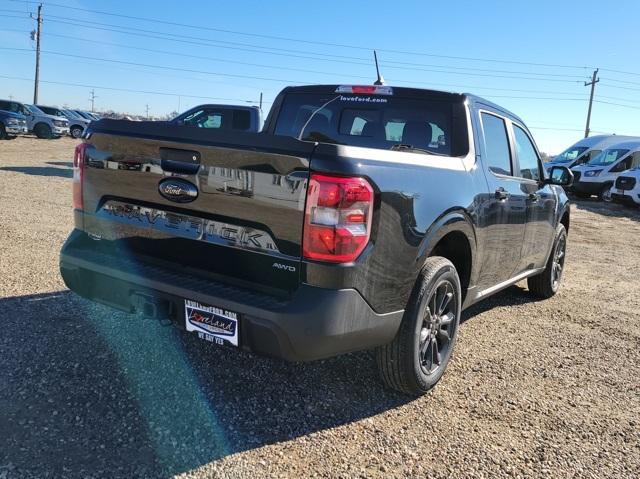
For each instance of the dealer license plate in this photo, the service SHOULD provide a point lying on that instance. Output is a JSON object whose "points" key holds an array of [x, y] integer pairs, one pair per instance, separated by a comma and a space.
{"points": [[211, 323]]}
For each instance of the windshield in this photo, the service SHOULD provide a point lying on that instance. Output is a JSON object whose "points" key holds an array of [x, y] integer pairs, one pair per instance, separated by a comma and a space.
{"points": [[435, 126], [72, 114], [84, 115], [607, 157], [52, 111], [570, 154], [35, 109]]}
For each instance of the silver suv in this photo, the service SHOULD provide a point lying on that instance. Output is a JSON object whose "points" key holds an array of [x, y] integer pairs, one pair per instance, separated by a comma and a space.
{"points": [[38, 122]]}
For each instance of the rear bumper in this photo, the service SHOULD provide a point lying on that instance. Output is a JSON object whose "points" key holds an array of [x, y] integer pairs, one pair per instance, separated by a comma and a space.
{"points": [[313, 323]]}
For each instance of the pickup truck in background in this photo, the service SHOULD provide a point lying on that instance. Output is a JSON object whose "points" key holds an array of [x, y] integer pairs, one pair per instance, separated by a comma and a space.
{"points": [[222, 117], [12, 124], [77, 124], [38, 122], [360, 217]]}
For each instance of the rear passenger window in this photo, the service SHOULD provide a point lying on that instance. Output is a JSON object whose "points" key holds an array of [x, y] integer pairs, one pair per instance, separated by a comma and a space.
{"points": [[527, 156], [498, 156]]}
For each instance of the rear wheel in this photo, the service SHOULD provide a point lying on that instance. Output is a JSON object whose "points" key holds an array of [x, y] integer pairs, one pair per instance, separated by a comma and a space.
{"points": [[76, 132], [42, 130], [547, 283], [419, 354]]}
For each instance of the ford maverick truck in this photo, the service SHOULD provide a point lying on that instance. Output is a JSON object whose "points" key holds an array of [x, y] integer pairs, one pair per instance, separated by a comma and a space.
{"points": [[360, 217]]}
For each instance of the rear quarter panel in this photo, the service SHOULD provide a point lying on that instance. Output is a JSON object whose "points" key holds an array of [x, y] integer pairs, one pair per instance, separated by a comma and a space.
{"points": [[420, 198]]}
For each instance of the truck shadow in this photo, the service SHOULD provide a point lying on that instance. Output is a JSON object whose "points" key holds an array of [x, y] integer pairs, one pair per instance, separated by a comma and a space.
{"points": [[86, 391], [40, 171]]}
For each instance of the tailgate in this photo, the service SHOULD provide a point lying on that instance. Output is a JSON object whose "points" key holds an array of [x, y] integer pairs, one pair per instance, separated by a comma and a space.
{"points": [[227, 205]]}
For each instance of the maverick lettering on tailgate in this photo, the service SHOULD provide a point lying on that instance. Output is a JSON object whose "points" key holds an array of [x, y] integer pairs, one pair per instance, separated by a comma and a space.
{"points": [[191, 227]]}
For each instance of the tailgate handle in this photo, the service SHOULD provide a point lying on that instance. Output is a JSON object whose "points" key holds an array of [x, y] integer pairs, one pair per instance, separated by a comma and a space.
{"points": [[176, 160]]}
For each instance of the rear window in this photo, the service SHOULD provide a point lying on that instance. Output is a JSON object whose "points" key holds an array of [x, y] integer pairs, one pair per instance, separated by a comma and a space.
{"points": [[436, 126]]}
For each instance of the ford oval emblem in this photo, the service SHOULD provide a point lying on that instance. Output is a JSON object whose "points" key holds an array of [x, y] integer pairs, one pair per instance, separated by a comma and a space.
{"points": [[178, 190]]}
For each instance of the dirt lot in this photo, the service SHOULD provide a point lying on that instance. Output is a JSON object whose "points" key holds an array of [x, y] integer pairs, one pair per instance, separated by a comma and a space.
{"points": [[546, 389]]}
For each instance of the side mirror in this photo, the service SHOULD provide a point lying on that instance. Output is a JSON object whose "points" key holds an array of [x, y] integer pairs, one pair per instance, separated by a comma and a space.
{"points": [[560, 175]]}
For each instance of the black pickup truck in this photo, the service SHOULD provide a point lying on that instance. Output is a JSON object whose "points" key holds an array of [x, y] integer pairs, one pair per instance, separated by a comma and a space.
{"points": [[360, 217]]}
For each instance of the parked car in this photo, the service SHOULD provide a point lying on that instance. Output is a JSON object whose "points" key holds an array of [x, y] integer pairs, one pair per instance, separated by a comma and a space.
{"points": [[224, 117], [38, 122], [598, 175], [586, 149], [360, 217], [77, 124], [12, 124], [626, 189]]}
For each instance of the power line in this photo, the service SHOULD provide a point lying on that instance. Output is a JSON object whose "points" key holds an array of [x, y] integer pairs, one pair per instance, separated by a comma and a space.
{"points": [[166, 52], [296, 53], [298, 40], [189, 70], [621, 71], [622, 81], [130, 90], [431, 84], [618, 104], [466, 69], [620, 87]]}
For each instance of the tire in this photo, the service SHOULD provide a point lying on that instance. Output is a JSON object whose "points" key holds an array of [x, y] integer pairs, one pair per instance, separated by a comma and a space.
{"points": [[42, 130], [3, 133], [547, 283], [605, 194], [76, 132], [408, 364]]}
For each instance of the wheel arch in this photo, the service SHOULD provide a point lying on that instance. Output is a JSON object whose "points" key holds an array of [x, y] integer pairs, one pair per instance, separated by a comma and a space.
{"points": [[453, 236]]}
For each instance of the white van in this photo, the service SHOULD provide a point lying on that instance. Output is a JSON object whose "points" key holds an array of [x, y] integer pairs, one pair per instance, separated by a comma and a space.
{"points": [[586, 149], [598, 175]]}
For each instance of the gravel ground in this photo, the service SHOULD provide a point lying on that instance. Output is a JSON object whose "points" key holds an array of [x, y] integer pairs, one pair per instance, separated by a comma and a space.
{"points": [[535, 389]]}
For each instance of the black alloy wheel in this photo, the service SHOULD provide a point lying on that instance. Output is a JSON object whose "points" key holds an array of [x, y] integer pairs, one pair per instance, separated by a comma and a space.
{"points": [[438, 327]]}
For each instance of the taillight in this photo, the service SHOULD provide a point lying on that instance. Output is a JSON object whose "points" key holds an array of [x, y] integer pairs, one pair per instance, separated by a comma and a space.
{"points": [[78, 175], [337, 223]]}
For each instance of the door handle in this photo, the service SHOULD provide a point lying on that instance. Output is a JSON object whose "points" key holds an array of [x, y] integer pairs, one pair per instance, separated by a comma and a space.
{"points": [[501, 194]]}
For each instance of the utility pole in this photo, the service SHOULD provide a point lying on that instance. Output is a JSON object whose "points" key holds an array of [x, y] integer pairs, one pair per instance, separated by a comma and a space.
{"points": [[92, 99], [10, 97], [260, 100], [147, 107], [38, 35], [592, 83]]}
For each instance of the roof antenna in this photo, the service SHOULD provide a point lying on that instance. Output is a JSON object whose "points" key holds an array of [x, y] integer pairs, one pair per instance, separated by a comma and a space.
{"points": [[380, 80]]}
